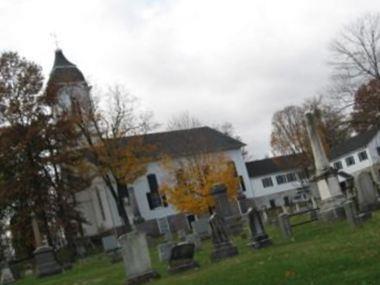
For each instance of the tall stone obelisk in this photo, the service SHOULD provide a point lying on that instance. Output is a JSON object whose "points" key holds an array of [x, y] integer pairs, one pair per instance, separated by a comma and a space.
{"points": [[326, 179]]}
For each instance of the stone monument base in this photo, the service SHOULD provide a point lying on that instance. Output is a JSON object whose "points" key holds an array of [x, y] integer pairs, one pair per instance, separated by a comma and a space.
{"points": [[143, 278], [332, 209], [184, 265], [223, 250], [261, 242], [46, 263]]}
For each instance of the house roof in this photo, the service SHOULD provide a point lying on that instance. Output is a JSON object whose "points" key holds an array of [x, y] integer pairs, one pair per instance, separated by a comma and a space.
{"points": [[272, 165], [187, 142], [358, 141], [64, 71]]}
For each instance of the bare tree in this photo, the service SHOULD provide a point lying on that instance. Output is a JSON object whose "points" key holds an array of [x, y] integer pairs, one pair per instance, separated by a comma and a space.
{"points": [[183, 121], [355, 57]]}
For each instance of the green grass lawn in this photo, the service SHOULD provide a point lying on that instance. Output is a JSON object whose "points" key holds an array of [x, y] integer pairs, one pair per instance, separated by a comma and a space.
{"points": [[318, 254]]}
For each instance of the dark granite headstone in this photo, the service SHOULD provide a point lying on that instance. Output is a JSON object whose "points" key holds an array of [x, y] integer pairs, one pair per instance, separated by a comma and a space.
{"points": [[182, 257], [260, 238], [46, 263], [223, 248]]}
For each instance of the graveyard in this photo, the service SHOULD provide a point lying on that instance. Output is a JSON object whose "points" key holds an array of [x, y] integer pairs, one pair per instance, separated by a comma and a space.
{"points": [[318, 253]]}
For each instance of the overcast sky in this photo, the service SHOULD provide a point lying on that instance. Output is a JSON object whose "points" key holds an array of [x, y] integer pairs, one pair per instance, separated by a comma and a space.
{"points": [[235, 61]]}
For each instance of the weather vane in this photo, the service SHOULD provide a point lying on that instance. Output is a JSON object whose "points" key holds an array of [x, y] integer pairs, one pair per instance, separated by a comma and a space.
{"points": [[55, 40]]}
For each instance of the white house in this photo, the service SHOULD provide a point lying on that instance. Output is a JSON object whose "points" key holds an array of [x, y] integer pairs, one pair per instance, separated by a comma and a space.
{"points": [[145, 202], [277, 181]]}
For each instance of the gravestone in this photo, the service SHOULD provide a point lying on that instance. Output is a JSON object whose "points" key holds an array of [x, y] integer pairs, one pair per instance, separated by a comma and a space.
{"points": [[181, 233], [366, 191], [284, 223], [182, 257], [112, 248], [325, 176], [350, 212], [164, 250], [195, 239], [164, 228], [202, 228], [260, 238], [223, 247], [224, 209], [46, 263], [136, 258], [6, 275]]}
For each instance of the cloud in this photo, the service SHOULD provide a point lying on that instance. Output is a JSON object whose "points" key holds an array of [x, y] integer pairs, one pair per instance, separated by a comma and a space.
{"points": [[236, 61]]}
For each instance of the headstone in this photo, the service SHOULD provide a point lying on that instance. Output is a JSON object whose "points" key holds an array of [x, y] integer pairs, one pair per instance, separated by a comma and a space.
{"points": [[202, 228], [164, 228], [110, 243], [182, 257], [164, 250], [325, 176], [136, 258], [181, 233], [223, 248], [284, 223], [366, 191], [351, 213], [264, 215], [112, 248], [223, 208], [6, 275], [195, 239], [46, 263], [260, 238]]}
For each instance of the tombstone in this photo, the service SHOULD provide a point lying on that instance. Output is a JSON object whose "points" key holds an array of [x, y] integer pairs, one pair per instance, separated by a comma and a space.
{"points": [[224, 209], [182, 257], [112, 248], [325, 176], [195, 239], [260, 238], [46, 263], [366, 192], [223, 248], [202, 228], [136, 258], [164, 250], [284, 223], [6, 275], [181, 233], [350, 212], [164, 228], [243, 202]]}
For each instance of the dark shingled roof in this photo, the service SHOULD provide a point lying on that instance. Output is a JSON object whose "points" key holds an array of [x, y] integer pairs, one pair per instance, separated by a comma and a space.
{"points": [[64, 71], [360, 140], [188, 142], [272, 165]]}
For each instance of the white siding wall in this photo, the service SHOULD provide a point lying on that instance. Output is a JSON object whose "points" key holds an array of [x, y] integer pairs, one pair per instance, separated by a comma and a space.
{"points": [[90, 207]]}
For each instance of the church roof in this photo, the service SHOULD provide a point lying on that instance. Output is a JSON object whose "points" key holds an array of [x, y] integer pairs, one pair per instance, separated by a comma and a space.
{"points": [[188, 142], [64, 71]]}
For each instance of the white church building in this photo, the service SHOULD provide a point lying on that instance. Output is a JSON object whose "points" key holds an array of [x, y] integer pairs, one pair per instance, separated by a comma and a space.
{"points": [[96, 203]]}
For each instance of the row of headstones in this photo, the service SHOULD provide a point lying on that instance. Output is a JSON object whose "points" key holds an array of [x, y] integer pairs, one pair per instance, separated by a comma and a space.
{"points": [[180, 256]]}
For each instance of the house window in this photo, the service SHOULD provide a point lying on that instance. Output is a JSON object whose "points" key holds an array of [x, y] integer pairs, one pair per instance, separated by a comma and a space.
{"points": [[362, 155], [291, 177], [350, 160], [338, 165], [267, 182], [242, 184], [100, 203], [281, 179]]}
